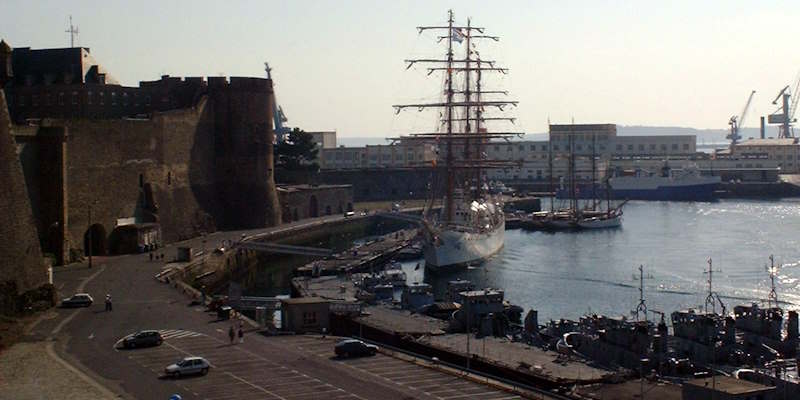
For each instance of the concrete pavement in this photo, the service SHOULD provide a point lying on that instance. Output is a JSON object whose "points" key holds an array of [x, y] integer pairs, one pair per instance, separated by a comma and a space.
{"points": [[261, 367]]}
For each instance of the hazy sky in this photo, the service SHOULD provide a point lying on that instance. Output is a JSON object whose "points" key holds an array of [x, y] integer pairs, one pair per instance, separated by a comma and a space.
{"points": [[339, 64]]}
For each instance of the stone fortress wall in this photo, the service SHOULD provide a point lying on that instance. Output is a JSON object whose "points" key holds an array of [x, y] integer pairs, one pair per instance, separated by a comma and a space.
{"points": [[193, 155], [21, 265]]}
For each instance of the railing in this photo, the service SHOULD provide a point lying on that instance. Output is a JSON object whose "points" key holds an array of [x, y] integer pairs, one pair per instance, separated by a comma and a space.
{"points": [[284, 248]]}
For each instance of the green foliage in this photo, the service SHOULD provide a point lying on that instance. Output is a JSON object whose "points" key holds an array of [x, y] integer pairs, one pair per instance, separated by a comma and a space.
{"points": [[297, 152]]}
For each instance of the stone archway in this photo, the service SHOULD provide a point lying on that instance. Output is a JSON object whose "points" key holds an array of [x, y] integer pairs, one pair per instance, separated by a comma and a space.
{"points": [[97, 235], [313, 207]]}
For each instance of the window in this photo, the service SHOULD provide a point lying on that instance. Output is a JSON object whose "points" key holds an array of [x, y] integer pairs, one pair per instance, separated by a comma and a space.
{"points": [[619, 147], [555, 147], [533, 147], [125, 98], [579, 147], [61, 98], [49, 99], [496, 148], [602, 147], [630, 147], [508, 149], [89, 97], [653, 147], [35, 100], [102, 98], [674, 146], [686, 146], [309, 318], [663, 147], [74, 98], [641, 147], [21, 100]]}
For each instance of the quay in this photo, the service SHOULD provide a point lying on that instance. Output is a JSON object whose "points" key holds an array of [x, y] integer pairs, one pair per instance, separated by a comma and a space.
{"points": [[361, 258]]}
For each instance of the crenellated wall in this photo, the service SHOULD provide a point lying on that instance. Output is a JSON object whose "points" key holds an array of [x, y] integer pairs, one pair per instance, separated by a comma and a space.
{"points": [[192, 169]]}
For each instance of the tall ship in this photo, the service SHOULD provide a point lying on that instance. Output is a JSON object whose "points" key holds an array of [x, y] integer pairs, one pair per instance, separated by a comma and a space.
{"points": [[470, 225]]}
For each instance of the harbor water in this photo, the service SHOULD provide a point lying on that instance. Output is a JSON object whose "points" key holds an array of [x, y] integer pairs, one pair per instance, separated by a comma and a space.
{"points": [[568, 274]]}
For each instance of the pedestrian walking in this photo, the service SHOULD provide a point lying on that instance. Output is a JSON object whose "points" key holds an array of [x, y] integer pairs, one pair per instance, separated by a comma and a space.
{"points": [[108, 302], [241, 335], [151, 256], [231, 334]]}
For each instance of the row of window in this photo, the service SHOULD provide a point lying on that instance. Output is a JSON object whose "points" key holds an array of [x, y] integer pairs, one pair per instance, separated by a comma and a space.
{"points": [[50, 99], [601, 147], [653, 147]]}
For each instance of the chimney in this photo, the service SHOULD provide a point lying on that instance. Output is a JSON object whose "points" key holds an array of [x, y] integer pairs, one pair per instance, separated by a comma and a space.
{"points": [[762, 127]]}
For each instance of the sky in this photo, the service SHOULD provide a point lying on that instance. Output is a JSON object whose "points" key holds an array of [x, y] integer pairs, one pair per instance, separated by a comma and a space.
{"points": [[338, 65]]}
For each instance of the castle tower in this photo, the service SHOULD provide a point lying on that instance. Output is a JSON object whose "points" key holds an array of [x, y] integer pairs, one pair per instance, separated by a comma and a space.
{"points": [[21, 264], [244, 149], [6, 70]]}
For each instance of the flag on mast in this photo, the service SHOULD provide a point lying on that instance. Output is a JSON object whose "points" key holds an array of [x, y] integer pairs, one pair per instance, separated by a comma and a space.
{"points": [[457, 35]]}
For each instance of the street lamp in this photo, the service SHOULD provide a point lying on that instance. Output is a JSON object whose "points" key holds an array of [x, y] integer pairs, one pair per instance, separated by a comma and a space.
{"points": [[90, 236]]}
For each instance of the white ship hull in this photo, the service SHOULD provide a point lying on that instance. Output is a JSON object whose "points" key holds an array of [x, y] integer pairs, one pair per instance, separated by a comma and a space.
{"points": [[456, 248], [601, 223]]}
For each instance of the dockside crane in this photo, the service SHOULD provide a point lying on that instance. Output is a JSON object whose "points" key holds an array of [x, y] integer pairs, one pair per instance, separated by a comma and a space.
{"points": [[278, 117], [784, 115], [738, 121]]}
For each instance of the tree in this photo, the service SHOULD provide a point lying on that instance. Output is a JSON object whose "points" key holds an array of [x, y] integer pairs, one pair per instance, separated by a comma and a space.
{"points": [[297, 152]]}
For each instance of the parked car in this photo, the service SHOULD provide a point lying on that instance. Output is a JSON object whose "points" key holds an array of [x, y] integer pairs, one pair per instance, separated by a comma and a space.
{"points": [[77, 300], [188, 366], [143, 339], [354, 348]]}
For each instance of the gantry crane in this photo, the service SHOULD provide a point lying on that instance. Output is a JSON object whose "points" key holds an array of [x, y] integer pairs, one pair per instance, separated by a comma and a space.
{"points": [[738, 121], [784, 115], [278, 117]]}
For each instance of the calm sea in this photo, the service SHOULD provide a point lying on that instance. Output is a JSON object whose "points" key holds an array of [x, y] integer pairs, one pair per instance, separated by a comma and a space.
{"points": [[568, 274]]}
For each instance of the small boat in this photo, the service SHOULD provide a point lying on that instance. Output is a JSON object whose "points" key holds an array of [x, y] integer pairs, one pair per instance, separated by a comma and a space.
{"points": [[395, 277]]}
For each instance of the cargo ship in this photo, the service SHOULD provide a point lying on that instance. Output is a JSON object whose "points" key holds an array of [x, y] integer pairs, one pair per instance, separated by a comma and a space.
{"points": [[668, 184]]}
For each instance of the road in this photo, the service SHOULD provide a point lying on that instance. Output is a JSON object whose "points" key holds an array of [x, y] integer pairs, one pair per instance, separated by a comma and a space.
{"points": [[291, 367]]}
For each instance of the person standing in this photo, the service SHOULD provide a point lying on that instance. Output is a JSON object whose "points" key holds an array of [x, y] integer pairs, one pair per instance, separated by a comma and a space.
{"points": [[241, 335], [231, 333], [108, 302]]}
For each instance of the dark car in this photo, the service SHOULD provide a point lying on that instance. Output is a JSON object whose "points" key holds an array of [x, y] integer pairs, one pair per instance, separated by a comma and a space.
{"points": [[143, 339], [354, 348], [77, 300]]}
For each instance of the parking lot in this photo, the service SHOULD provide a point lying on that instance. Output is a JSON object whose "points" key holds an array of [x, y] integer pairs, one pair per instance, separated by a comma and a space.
{"points": [[429, 382], [237, 373]]}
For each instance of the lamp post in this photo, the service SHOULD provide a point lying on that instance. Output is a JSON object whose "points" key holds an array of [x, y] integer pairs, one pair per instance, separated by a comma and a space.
{"points": [[89, 247]]}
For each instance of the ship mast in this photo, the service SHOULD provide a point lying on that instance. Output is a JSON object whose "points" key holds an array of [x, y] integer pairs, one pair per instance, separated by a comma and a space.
{"points": [[773, 295], [468, 138]]}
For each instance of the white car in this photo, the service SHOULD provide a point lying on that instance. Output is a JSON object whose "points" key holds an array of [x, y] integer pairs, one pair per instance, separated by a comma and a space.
{"points": [[188, 366]]}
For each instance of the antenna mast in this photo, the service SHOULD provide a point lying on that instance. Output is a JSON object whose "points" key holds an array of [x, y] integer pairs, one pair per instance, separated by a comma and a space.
{"points": [[711, 297], [73, 30], [642, 307], [773, 295]]}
